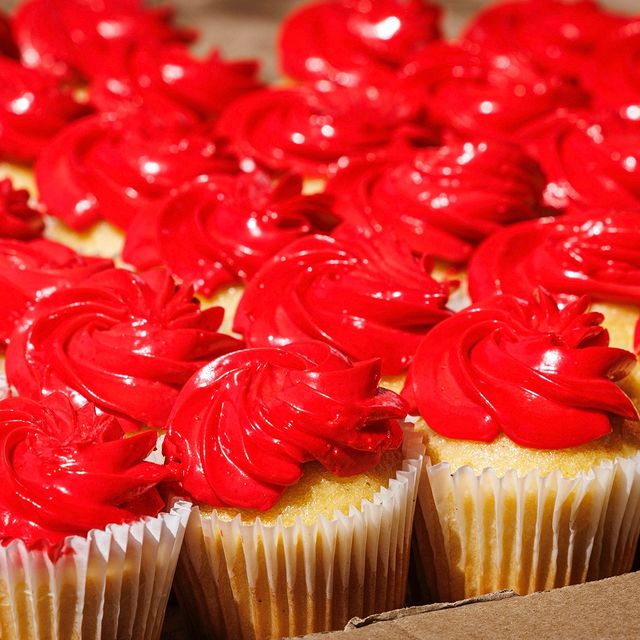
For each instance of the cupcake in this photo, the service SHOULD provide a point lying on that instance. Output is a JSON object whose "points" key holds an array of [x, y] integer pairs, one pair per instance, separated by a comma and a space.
{"points": [[533, 471], [35, 107], [594, 253], [591, 159], [125, 342], [88, 545], [474, 93], [170, 79], [556, 36], [305, 494], [355, 43], [216, 232], [98, 173], [315, 131], [442, 201], [70, 38], [367, 296]]}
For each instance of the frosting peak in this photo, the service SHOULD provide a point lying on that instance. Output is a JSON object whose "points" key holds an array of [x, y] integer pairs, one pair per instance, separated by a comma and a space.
{"points": [[245, 424], [542, 376]]}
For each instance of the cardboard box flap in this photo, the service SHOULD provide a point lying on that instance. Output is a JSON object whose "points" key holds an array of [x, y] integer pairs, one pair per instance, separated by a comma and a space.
{"points": [[356, 623], [605, 609]]}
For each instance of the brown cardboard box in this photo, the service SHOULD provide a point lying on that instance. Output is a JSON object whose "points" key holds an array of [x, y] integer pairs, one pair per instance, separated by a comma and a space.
{"points": [[596, 610]]}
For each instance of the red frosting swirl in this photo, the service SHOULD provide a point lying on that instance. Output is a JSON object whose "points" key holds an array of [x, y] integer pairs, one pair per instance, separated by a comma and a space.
{"points": [[443, 200], [18, 220], [480, 95], [86, 38], [221, 230], [170, 79], [35, 107], [613, 72], [66, 472], [591, 253], [105, 167], [543, 377], [33, 270], [245, 424], [367, 296], [591, 160], [351, 42], [314, 132], [556, 36], [125, 342]]}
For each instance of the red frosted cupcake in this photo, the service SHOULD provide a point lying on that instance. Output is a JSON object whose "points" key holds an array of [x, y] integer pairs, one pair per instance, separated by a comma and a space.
{"points": [[366, 296], [217, 232], [315, 131], [82, 526], [99, 173], [591, 159], [476, 94], [355, 43], [442, 201], [555, 36], [125, 342], [533, 475], [305, 498], [73, 37], [175, 85]]}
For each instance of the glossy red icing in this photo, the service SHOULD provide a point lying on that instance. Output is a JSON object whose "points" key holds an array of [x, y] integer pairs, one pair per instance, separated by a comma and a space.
{"points": [[83, 37], [245, 424], [110, 168], [170, 78], [476, 94], [316, 131], [67, 471], [223, 229], [33, 270], [18, 220], [366, 296], [442, 201], [555, 36], [590, 159], [125, 342], [543, 377], [353, 42], [8, 47], [592, 253], [34, 107], [613, 75]]}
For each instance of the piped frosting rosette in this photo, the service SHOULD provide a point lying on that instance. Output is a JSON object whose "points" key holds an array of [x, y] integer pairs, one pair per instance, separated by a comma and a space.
{"points": [[88, 547], [123, 341], [533, 476], [244, 430]]}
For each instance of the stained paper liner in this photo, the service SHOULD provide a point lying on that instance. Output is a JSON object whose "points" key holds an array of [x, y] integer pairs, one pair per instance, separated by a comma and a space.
{"points": [[479, 533], [238, 580], [112, 584]]}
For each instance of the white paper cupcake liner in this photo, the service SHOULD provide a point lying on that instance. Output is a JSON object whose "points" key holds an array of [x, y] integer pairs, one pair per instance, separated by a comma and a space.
{"points": [[238, 580], [113, 584], [479, 533]]}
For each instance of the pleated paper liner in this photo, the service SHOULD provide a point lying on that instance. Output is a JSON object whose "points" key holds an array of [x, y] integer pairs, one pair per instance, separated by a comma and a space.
{"points": [[113, 584], [245, 581], [479, 533]]}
